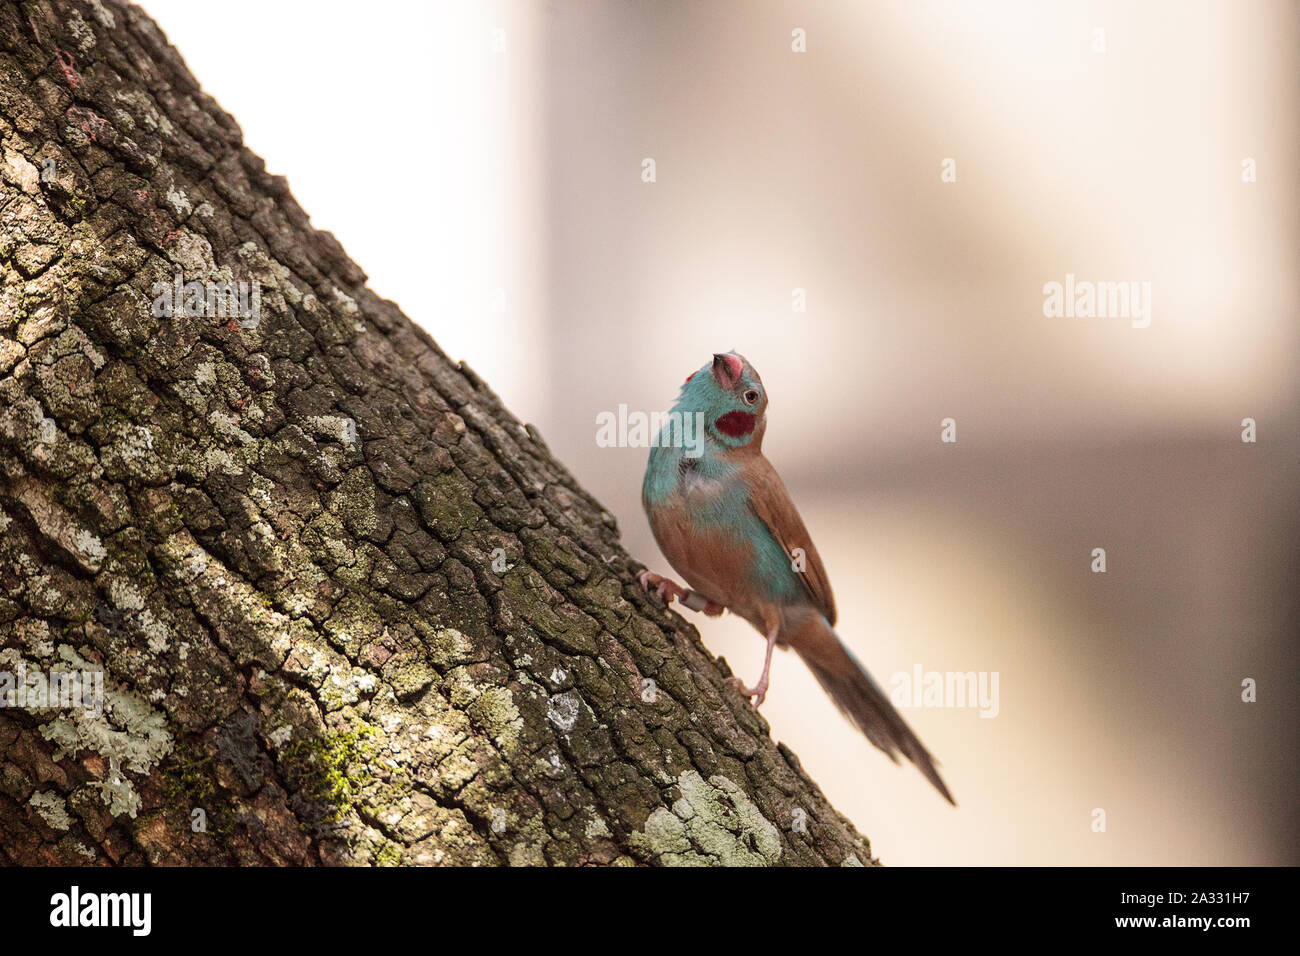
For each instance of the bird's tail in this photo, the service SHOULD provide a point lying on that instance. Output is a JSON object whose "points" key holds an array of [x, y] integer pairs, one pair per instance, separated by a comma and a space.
{"points": [[860, 698]]}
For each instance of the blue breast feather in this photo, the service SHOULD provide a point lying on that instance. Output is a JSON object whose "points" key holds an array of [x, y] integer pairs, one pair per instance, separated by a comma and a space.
{"points": [[727, 512]]}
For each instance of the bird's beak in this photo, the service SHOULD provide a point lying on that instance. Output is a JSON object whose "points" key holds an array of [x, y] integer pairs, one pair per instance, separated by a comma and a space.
{"points": [[726, 369]]}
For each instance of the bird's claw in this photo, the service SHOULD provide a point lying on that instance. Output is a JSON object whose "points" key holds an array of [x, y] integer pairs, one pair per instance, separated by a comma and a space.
{"points": [[759, 692], [666, 588]]}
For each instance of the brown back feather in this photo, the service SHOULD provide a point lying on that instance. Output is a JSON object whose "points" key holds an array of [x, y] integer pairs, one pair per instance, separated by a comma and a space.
{"points": [[771, 502]]}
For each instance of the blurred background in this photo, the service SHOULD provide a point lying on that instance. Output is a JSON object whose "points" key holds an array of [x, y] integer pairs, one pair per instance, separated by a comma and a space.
{"points": [[1110, 141]]}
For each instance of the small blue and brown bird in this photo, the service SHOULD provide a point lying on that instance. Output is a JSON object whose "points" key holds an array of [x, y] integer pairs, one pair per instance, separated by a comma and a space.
{"points": [[727, 525]]}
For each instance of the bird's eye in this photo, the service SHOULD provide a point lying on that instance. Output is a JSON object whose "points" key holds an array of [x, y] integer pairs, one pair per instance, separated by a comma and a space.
{"points": [[750, 396]]}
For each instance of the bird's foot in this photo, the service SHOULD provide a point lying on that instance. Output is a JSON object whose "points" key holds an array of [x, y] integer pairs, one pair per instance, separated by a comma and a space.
{"points": [[713, 610], [666, 588], [758, 692]]}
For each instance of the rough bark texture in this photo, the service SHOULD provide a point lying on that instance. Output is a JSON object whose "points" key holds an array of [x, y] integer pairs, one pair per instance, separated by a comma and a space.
{"points": [[278, 543]]}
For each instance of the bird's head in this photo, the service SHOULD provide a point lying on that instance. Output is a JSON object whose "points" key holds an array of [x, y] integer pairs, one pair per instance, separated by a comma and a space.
{"points": [[731, 397]]}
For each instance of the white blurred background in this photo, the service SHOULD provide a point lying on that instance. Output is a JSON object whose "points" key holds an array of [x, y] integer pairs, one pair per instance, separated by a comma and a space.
{"points": [[501, 145]]}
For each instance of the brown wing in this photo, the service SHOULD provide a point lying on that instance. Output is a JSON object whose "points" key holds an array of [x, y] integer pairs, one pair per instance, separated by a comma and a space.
{"points": [[771, 502]]}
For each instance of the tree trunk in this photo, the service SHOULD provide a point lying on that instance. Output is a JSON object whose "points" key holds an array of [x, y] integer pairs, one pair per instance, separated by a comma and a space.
{"points": [[347, 609]]}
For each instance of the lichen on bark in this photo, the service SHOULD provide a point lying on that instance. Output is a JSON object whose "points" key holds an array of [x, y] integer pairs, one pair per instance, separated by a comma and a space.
{"points": [[277, 540]]}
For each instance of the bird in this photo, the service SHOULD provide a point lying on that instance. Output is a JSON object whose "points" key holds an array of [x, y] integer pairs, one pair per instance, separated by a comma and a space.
{"points": [[725, 521]]}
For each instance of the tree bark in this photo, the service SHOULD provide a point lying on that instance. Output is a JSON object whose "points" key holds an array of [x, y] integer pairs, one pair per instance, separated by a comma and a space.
{"points": [[347, 608]]}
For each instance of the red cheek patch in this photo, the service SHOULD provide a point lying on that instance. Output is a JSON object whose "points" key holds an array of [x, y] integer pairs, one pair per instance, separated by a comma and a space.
{"points": [[735, 424]]}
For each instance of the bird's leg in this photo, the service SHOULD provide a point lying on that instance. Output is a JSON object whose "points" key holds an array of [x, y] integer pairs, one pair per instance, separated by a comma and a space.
{"points": [[666, 588], [759, 690], [698, 602]]}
